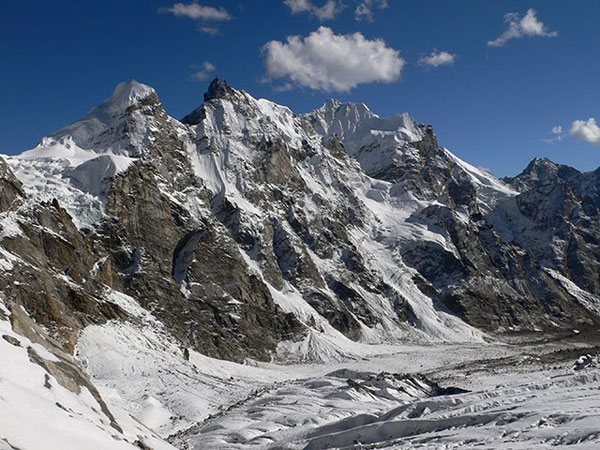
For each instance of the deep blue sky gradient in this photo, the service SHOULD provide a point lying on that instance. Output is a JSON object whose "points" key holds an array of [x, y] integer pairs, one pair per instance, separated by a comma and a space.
{"points": [[493, 107]]}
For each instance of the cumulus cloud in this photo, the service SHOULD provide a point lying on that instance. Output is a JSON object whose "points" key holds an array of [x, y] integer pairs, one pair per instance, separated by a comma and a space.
{"points": [[364, 10], [328, 11], [331, 62], [586, 130], [519, 27], [206, 70], [437, 58]]}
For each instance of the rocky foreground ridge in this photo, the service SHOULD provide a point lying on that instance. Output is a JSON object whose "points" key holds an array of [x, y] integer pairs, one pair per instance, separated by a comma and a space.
{"points": [[251, 232]]}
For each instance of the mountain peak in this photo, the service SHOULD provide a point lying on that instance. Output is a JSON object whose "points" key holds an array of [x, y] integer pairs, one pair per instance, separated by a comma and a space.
{"points": [[331, 104], [86, 132], [218, 88], [541, 167], [539, 171], [333, 107], [126, 94], [541, 161]]}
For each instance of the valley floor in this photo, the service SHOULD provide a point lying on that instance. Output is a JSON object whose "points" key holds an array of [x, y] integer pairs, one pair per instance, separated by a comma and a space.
{"points": [[529, 392], [514, 402], [508, 395]]}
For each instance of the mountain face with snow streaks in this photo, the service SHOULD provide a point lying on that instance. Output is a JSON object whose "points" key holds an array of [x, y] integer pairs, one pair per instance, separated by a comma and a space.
{"points": [[248, 232], [365, 224]]}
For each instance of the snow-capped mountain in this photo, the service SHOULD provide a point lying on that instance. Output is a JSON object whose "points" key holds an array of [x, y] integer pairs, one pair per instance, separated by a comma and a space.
{"points": [[247, 232], [336, 220]]}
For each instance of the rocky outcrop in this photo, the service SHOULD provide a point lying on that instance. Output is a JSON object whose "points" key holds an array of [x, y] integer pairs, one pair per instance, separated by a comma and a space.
{"points": [[558, 212], [56, 275], [491, 284], [11, 189], [188, 271]]}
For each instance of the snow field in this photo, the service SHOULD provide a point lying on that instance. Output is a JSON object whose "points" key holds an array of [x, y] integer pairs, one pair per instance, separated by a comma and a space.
{"points": [[38, 413], [338, 402]]}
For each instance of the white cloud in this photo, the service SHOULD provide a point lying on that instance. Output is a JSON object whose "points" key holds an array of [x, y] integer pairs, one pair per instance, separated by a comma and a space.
{"points": [[328, 11], [331, 8], [437, 58], [586, 130], [331, 62], [558, 134], [519, 27], [364, 10], [207, 69], [213, 31], [199, 12]]}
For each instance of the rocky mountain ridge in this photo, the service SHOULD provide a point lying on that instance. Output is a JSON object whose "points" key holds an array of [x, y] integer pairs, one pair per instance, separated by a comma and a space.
{"points": [[322, 207], [253, 233]]}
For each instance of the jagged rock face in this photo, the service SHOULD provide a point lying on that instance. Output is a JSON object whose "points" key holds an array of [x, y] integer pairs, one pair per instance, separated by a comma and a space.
{"points": [[144, 213], [188, 272], [561, 206], [218, 89], [11, 189], [245, 225], [270, 161], [55, 275], [420, 167], [490, 283], [487, 278]]}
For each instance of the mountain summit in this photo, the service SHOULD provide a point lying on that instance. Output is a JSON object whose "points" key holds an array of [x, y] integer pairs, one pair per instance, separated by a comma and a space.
{"points": [[218, 88], [126, 96]]}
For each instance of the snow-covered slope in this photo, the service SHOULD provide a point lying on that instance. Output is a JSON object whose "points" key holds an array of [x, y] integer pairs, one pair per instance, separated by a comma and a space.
{"points": [[94, 131], [74, 164], [44, 405]]}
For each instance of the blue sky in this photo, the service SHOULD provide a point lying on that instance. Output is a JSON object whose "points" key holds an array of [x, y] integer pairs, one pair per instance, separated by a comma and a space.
{"points": [[501, 81]]}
